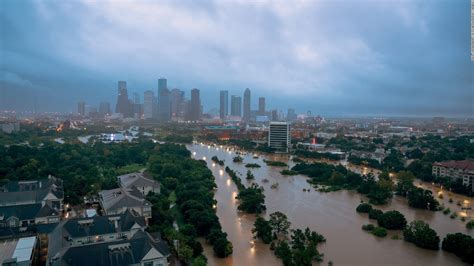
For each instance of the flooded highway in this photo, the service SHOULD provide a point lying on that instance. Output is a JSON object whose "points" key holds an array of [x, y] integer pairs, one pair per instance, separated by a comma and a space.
{"points": [[331, 214]]}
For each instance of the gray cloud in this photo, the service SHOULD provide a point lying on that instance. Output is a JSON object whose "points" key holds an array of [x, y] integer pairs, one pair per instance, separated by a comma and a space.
{"points": [[331, 57]]}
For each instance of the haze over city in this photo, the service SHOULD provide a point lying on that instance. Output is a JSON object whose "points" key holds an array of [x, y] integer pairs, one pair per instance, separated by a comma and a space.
{"points": [[342, 58]]}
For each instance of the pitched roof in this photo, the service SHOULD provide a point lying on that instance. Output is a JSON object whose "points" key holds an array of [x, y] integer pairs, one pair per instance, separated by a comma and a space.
{"points": [[122, 197], [462, 165], [32, 191], [22, 212], [99, 225], [136, 179], [123, 252]]}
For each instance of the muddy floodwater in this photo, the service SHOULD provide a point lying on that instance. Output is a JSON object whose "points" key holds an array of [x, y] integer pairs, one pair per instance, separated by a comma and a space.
{"points": [[331, 214]]}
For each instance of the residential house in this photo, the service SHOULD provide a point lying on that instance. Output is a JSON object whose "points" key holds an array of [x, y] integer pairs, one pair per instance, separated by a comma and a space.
{"points": [[142, 182]]}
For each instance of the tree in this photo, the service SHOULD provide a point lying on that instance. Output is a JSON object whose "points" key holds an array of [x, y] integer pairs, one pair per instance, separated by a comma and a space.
{"points": [[280, 224], [460, 244], [222, 247], [392, 220], [375, 214], [252, 199], [381, 191], [250, 175], [283, 251], [422, 199], [364, 208], [420, 233], [405, 182], [263, 230]]}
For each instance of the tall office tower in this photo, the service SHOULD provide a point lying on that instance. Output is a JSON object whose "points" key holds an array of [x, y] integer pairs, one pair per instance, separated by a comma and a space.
{"points": [[291, 115], [81, 108], [246, 116], [274, 115], [235, 105], [164, 103], [149, 104], [224, 104], [123, 104], [136, 98], [177, 98], [194, 110], [162, 84], [279, 136], [104, 108], [261, 106]]}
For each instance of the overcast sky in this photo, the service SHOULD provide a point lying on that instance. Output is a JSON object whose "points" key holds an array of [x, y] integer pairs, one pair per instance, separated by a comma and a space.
{"points": [[351, 57]]}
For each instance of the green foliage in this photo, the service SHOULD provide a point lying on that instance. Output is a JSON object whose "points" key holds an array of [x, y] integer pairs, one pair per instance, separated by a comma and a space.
{"points": [[275, 163], [364, 208], [222, 247], [377, 191], [322, 173], [252, 165], [238, 159], [392, 220], [280, 224], [235, 178], [422, 199], [460, 244], [288, 172], [470, 224], [262, 230], [249, 176], [179, 138], [316, 155], [379, 231], [216, 160], [375, 214], [368, 227], [251, 199], [420, 233], [364, 161]]}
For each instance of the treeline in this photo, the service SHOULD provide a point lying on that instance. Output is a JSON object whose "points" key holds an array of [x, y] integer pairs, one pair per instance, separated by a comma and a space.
{"points": [[275, 163], [251, 199], [364, 161], [193, 184], [418, 232], [316, 155], [179, 138], [84, 168], [216, 160], [378, 191], [293, 247]]}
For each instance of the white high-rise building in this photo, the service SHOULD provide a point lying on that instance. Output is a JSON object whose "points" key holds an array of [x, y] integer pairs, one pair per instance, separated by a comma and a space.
{"points": [[279, 136]]}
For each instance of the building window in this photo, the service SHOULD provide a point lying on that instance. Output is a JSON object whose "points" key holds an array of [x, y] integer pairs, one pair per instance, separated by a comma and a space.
{"points": [[148, 263]]}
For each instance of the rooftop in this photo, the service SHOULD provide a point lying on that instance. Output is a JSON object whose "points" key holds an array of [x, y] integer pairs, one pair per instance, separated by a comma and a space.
{"points": [[462, 165]]}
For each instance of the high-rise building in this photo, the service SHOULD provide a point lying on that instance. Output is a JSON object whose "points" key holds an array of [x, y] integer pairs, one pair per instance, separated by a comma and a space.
{"points": [[235, 105], [164, 102], [123, 103], [279, 136], [224, 104], [81, 108], [261, 106], [177, 98], [246, 116], [149, 105], [136, 98], [194, 110], [274, 115], [162, 84], [104, 108], [291, 115]]}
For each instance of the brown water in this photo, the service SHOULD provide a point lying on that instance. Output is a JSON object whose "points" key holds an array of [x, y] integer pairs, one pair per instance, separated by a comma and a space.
{"points": [[331, 214]]}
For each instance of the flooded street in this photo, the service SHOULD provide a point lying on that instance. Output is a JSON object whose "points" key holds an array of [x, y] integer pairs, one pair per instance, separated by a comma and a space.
{"points": [[331, 214]]}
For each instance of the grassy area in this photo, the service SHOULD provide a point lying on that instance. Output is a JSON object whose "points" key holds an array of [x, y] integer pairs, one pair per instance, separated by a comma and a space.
{"points": [[130, 168], [172, 197]]}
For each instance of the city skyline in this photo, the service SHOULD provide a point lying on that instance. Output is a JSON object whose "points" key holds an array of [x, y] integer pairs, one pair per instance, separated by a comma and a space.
{"points": [[398, 66]]}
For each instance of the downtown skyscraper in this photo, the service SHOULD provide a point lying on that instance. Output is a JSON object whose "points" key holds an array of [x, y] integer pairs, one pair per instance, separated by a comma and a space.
{"points": [[224, 104], [261, 106], [123, 105], [236, 105], [164, 103], [149, 105], [194, 107], [246, 115]]}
